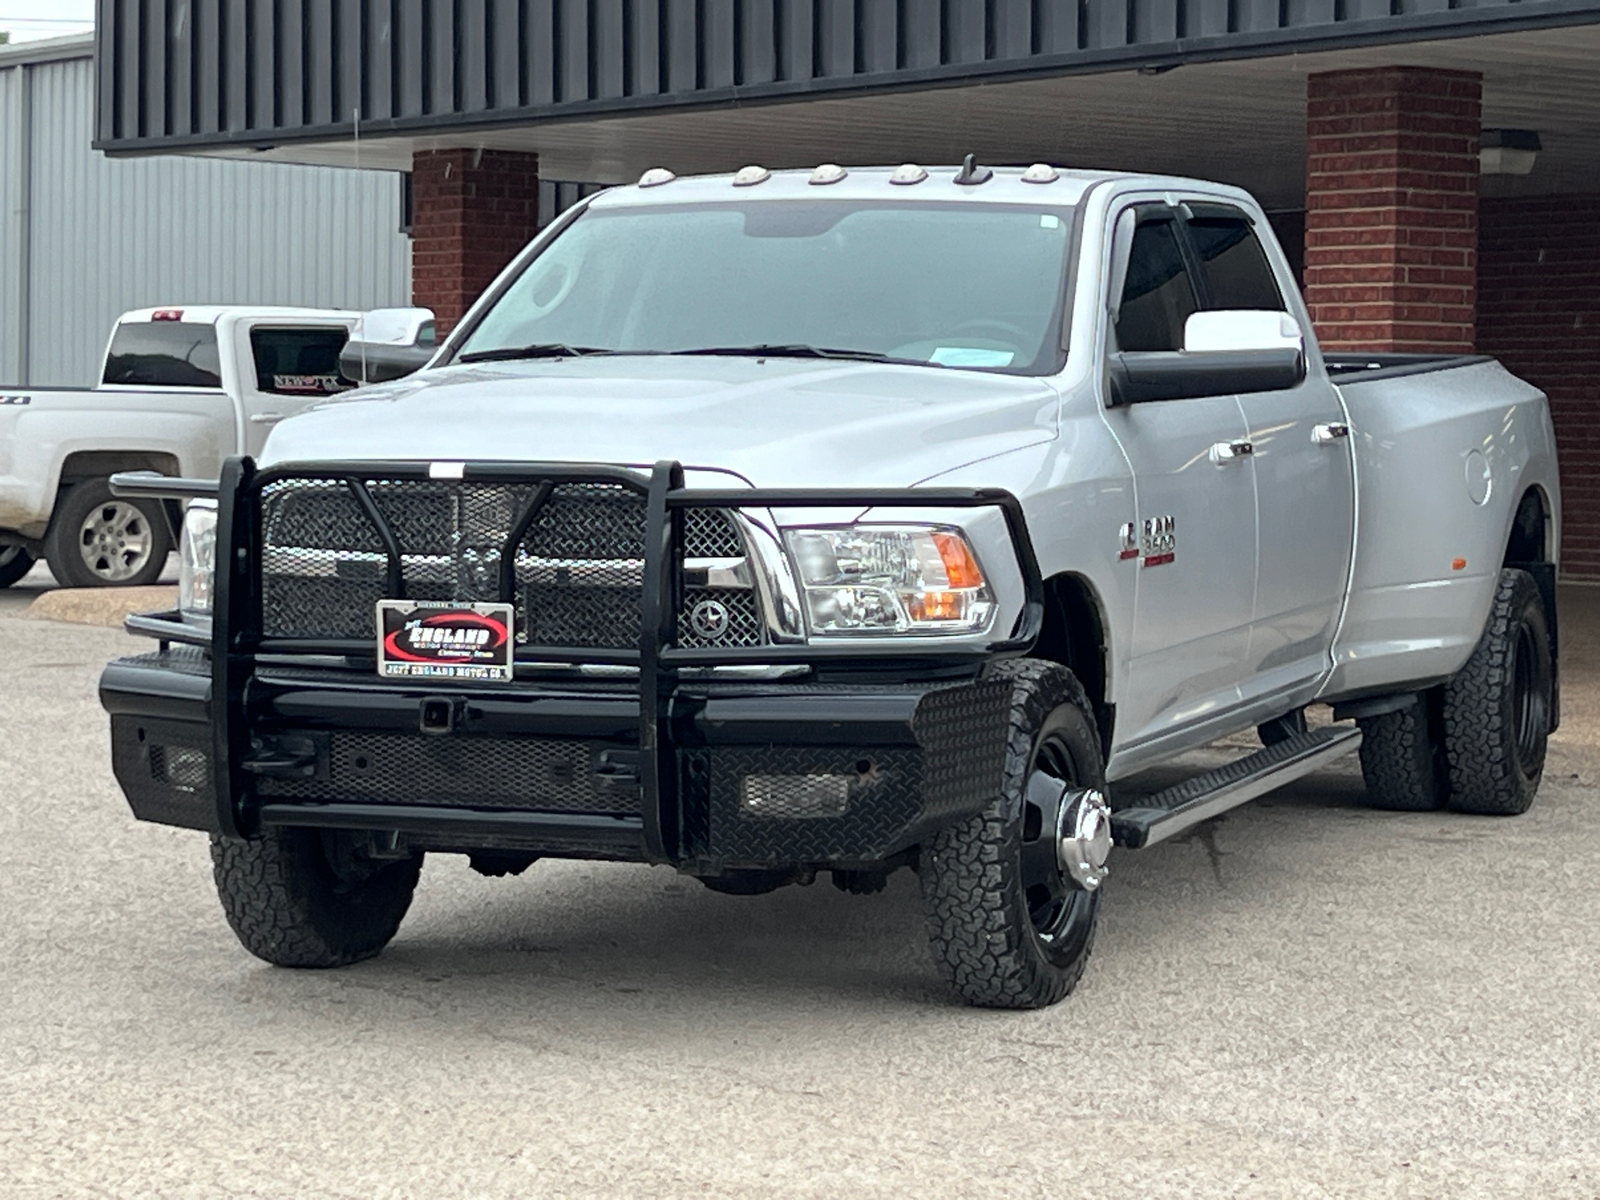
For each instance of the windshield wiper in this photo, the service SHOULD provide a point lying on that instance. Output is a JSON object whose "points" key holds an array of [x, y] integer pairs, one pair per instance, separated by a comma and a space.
{"points": [[537, 350], [801, 351]]}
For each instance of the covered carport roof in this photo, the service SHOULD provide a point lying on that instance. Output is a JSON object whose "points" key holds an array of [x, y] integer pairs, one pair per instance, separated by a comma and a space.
{"points": [[601, 89]]}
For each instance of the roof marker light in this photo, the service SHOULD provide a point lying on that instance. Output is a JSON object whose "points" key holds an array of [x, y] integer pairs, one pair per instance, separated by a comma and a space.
{"points": [[908, 173], [1040, 173], [750, 176], [655, 177], [828, 173]]}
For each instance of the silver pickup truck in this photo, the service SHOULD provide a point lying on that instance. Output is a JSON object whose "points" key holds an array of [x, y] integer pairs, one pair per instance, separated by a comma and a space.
{"points": [[180, 390], [843, 521]]}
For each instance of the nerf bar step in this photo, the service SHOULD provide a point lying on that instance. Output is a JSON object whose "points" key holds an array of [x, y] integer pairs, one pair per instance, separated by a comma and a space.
{"points": [[1156, 818]]}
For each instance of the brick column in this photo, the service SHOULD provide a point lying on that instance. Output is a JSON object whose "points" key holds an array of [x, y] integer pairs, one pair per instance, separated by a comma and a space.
{"points": [[1392, 208], [471, 211]]}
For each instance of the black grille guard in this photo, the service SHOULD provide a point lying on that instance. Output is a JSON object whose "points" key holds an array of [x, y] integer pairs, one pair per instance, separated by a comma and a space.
{"points": [[236, 638]]}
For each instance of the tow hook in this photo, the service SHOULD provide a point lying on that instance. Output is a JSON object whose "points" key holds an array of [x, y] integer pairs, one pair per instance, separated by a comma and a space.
{"points": [[1083, 837]]}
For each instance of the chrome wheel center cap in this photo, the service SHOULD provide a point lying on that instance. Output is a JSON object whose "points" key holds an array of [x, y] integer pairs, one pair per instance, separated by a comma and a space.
{"points": [[1083, 838]]}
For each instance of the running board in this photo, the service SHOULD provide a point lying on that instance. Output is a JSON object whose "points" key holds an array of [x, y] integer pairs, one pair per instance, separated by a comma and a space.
{"points": [[1156, 818]]}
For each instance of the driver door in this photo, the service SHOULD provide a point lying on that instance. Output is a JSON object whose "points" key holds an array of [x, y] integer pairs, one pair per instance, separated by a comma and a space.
{"points": [[1194, 537]]}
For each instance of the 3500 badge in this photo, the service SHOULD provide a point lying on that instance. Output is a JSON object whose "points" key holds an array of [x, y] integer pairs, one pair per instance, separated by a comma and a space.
{"points": [[440, 640]]}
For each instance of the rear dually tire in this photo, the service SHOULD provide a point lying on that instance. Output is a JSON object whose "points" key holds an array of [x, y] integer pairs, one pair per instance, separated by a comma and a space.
{"points": [[1497, 708]]}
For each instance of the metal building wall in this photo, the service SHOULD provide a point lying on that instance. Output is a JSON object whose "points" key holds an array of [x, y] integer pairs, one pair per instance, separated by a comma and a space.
{"points": [[84, 237]]}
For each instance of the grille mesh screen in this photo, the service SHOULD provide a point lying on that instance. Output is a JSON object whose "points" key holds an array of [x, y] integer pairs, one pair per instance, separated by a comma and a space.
{"points": [[475, 772], [578, 568]]}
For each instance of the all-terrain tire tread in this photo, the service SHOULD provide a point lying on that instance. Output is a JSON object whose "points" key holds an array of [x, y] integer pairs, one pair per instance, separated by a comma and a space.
{"points": [[971, 880], [269, 897], [1478, 721], [1398, 761]]}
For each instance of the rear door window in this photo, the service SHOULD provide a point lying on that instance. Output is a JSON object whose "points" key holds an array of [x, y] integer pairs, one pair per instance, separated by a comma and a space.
{"points": [[1237, 272], [162, 354], [298, 362]]}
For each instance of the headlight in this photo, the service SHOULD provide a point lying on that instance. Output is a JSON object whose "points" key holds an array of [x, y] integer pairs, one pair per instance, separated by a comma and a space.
{"points": [[878, 579], [197, 558]]}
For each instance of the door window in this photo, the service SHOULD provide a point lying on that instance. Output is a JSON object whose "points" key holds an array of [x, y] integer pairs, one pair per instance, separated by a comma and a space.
{"points": [[298, 362], [1157, 294], [1237, 273]]}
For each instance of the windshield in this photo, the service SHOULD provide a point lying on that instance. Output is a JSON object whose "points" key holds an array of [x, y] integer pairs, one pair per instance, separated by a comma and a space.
{"points": [[955, 285]]}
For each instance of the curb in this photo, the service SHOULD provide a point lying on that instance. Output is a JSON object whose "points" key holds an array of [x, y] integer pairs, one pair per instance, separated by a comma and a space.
{"points": [[101, 606]]}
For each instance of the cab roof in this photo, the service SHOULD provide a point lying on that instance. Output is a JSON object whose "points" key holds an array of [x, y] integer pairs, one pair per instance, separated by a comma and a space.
{"points": [[1006, 185], [210, 314]]}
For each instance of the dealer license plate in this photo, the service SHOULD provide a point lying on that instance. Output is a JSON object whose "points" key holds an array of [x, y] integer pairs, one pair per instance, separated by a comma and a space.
{"points": [[442, 640]]}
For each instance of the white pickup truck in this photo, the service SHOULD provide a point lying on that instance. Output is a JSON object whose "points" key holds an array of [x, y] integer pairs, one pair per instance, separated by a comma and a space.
{"points": [[181, 390], [844, 521]]}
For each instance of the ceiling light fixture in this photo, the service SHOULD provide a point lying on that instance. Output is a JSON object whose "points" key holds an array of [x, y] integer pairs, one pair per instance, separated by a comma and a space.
{"points": [[1508, 151]]}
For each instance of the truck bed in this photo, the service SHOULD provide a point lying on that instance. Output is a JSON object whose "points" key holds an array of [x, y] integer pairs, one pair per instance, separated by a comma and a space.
{"points": [[1443, 445]]}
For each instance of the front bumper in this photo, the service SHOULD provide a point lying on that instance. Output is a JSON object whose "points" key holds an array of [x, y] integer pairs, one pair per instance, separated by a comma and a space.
{"points": [[750, 774], [228, 729]]}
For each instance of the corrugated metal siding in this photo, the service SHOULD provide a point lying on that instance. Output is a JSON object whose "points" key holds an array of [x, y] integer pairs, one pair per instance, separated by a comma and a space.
{"points": [[13, 211], [212, 72], [106, 235], [556, 197]]}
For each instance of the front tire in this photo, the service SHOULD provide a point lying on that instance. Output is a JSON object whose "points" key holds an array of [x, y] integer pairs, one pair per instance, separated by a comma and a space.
{"points": [[301, 898], [1008, 929], [100, 540], [1497, 708]]}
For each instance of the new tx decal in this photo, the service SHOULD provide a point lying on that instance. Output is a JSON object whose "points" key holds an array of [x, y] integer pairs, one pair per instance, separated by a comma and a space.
{"points": [[1160, 541]]}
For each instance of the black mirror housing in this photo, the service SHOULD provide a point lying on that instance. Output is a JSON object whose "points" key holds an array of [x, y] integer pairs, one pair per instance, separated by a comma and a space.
{"points": [[1138, 376], [378, 362]]}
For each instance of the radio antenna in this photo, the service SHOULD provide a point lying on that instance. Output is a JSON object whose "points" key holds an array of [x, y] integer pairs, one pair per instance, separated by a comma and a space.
{"points": [[355, 117]]}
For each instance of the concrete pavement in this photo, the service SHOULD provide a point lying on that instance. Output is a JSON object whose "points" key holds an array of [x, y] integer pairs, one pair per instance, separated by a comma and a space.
{"points": [[1304, 998]]}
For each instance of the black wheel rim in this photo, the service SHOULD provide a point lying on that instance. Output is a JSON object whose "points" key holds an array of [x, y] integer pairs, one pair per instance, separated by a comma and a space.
{"points": [[1060, 913], [1530, 698]]}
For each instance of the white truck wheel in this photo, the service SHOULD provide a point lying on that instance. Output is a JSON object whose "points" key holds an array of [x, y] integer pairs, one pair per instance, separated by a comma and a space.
{"points": [[100, 540]]}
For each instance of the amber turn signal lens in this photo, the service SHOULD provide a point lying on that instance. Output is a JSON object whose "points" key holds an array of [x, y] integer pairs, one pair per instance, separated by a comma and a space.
{"points": [[1459, 564], [960, 568], [937, 606]]}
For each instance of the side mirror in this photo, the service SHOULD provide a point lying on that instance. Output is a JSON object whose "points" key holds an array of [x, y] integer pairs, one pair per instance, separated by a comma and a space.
{"points": [[1225, 352], [388, 343]]}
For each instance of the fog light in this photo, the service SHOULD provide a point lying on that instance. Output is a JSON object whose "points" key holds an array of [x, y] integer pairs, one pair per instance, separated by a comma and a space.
{"points": [[180, 767], [794, 796]]}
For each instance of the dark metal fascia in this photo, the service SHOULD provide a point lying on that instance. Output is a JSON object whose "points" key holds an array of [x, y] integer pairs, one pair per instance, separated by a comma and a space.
{"points": [[1335, 35]]}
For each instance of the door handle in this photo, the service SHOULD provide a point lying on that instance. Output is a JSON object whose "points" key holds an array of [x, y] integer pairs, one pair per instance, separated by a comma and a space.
{"points": [[265, 418], [1225, 452], [1326, 435]]}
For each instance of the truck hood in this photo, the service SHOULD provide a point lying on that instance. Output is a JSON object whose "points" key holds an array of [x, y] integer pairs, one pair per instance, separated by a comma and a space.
{"points": [[776, 422]]}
